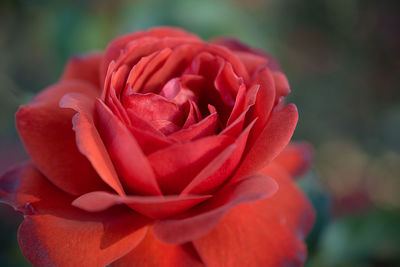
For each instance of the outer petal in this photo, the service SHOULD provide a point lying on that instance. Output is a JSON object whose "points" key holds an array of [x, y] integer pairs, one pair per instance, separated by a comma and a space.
{"points": [[56, 234], [271, 141], [269, 232], [203, 218], [295, 158], [245, 52], [88, 139], [85, 68], [46, 131], [153, 253]]}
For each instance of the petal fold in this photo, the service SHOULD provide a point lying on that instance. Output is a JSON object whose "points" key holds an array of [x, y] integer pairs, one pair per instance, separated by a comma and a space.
{"points": [[46, 131], [150, 206], [200, 220]]}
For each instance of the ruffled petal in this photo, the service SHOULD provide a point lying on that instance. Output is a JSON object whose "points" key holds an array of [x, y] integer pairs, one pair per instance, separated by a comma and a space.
{"points": [[269, 232], [203, 218], [152, 253], [46, 131], [54, 233]]}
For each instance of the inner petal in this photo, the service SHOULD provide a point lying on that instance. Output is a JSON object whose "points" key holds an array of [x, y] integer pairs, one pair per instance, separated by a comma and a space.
{"points": [[155, 109]]}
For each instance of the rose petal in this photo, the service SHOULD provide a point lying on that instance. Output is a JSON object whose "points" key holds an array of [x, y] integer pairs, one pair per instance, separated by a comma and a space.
{"points": [[152, 253], [269, 232], [205, 127], [271, 141], [216, 173], [150, 206], [88, 138], [154, 62], [236, 127], [227, 83], [46, 131], [113, 50], [56, 234], [85, 68], [151, 107], [180, 57], [133, 51], [175, 166], [202, 219], [240, 105], [237, 46], [296, 158], [125, 152]]}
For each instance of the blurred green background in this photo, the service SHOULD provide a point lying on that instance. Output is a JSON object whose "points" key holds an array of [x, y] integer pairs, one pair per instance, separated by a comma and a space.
{"points": [[342, 58]]}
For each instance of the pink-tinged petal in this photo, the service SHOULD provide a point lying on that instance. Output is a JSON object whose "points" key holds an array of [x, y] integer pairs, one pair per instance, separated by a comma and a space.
{"points": [[177, 165], [125, 153], [88, 138], [46, 131], [200, 220], [155, 207], [269, 232], [152, 253], [85, 68], [296, 158], [217, 172], [54, 233], [205, 127], [183, 89], [271, 141]]}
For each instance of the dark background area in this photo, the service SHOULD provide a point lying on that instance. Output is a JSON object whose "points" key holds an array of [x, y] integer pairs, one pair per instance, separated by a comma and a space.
{"points": [[342, 59]]}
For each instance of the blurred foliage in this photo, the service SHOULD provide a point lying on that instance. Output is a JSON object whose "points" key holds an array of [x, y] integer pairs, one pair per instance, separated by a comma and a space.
{"points": [[342, 59]]}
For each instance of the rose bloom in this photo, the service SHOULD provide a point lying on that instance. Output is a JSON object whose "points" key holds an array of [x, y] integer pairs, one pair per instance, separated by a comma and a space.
{"points": [[141, 155]]}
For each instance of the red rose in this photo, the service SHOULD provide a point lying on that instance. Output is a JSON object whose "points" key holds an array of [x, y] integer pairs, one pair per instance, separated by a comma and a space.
{"points": [[169, 135]]}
